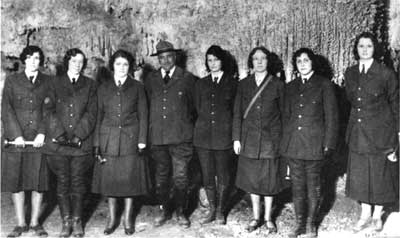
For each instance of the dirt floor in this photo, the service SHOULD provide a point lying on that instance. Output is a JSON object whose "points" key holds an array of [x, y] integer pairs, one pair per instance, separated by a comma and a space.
{"points": [[341, 214]]}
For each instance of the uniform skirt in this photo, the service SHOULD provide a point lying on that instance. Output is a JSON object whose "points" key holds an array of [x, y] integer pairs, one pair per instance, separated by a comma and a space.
{"points": [[24, 171], [258, 176], [372, 178], [121, 176]]}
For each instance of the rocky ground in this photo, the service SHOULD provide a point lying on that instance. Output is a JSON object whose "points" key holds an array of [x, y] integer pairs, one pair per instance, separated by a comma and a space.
{"points": [[341, 216]]}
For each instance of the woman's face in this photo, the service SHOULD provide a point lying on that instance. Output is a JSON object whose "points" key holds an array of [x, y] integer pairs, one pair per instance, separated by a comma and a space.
{"points": [[121, 67], [260, 62], [304, 64], [75, 64], [365, 48], [32, 62], [214, 63]]}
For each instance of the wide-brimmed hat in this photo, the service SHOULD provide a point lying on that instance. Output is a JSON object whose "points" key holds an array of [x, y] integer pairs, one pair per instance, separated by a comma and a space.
{"points": [[164, 46]]}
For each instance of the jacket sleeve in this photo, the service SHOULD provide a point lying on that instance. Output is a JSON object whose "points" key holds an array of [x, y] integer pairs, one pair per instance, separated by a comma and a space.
{"points": [[87, 122], [12, 129], [331, 115], [237, 114], [99, 119], [143, 115], [393, 97]]}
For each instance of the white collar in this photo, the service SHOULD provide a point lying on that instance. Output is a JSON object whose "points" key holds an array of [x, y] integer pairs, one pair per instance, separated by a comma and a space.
{"points": [[260, 78], [217, 75], [367, 64], [122, 80], [171, 72], [34, 74], [70, 76], [307, 77]]}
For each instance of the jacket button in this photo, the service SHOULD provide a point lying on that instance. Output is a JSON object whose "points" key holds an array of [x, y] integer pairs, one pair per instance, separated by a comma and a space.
{"points": [[30, 101], [212, 122], [358, 109], [358, 99], [258, 107], [299, 128], [119, 115], [212, 113], [359, 88], [212, 104], [164, 116], [119, 127], [164, 108], [164, 99], [212, 95], [118, 94], [71, 105], [165, 91], [301, 105], [119, 104], [70, 126], [359, 119], [300, 116], [30, 122], [301, 95], [71, 115]]}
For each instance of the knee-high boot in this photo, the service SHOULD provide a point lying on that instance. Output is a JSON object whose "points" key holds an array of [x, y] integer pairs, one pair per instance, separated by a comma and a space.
{"points": [[210, 216], [313, 209], [301, 218], [77, 203], [222, 199], [65, 212], [181, 201]]}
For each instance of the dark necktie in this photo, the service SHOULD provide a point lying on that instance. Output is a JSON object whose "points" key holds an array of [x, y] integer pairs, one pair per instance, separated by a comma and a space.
{"points": [[119, 83], [215, 80], [304, 80], [363, 69], [31, 79], [73, 80], [166, 77]]}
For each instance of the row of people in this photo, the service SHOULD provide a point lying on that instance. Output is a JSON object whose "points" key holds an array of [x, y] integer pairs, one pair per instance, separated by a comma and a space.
{"points": [[69, 119]]}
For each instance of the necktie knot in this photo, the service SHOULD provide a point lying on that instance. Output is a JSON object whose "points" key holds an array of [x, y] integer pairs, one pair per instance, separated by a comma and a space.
{"points": [[73, 80], [215, 80], [31, 79], [166, 77], [304, 80], [119, 83]]}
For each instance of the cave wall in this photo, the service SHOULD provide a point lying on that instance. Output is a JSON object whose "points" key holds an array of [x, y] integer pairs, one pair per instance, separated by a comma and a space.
{"points": [[100, 27]]}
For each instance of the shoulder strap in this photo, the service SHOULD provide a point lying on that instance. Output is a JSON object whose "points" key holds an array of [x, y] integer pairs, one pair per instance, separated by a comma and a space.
{"points": [[253, 100]]}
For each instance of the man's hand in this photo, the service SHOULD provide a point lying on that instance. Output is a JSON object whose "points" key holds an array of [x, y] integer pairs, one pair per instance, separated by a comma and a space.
{"points": [[39, 140], [237, 147]]}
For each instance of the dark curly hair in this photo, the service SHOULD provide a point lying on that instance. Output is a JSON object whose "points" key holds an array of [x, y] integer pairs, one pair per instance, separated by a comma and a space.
{"points": [[218, 52], [274, 64], [370, 36], [72, 53], [310, 55], [121, 54], [30, 50]]}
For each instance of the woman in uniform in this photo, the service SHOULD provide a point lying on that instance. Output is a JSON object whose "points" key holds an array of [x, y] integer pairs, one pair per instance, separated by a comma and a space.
{"points": [[120, 139], [23, 167], [373, 92], [214, 99], [256, 134], [71, 121]]}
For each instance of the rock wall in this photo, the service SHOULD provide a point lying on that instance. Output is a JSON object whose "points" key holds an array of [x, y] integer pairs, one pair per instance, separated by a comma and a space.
{"points": [[99, 27]]}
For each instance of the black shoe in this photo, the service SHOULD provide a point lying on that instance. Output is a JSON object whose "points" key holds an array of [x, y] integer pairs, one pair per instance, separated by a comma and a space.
{"points": [[129, 230], [161, 220], [39, 231], [66, 228], [77, 227], [253, 225], [220, 218], [18, 231], [110, 229]]}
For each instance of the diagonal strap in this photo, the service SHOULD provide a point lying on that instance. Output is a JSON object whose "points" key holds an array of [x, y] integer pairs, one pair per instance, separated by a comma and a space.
{"points": [[253, 100]]}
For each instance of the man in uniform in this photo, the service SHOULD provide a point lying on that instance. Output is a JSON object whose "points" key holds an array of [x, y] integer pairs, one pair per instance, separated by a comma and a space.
{"points": [[170, 92]]}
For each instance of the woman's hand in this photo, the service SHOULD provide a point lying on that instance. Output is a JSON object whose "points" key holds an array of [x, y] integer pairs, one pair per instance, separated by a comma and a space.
{"points": [[39, 140], [236, 147], [141, 146], [19, 142]]}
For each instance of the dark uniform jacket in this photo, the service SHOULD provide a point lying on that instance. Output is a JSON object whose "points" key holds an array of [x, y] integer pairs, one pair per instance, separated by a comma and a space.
{"points": [[72, 109], [310, 118], [214, 106], [22, 108], [374, 116], [172, 109], [260, 133], [121, 118]]}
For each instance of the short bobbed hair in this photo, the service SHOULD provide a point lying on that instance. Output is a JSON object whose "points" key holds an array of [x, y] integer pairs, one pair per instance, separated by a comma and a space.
{"points": [[30, 50], [218, 52], [370, 36], [306, 51], [72, 53], [121, 54]]}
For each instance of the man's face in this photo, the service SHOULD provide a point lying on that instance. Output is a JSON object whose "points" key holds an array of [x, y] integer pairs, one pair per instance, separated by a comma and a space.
{"points": [[167, 60]]}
